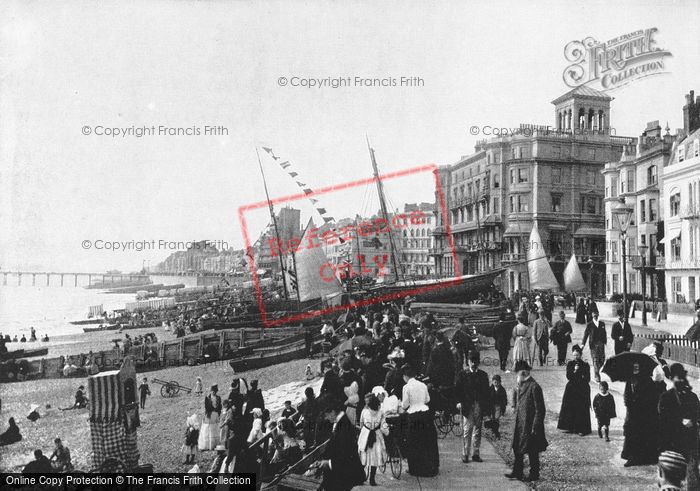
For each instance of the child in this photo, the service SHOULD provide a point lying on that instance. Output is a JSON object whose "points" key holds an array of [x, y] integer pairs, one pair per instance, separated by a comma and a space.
{"points": [[604, 408], [198, 387], [308, 373], [370, 443], [191, 438], [498, 401], [144, 391], [288, 411]]}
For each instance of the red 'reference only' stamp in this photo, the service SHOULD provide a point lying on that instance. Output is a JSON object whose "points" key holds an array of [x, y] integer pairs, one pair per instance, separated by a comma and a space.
{"points": [[327, 272]]}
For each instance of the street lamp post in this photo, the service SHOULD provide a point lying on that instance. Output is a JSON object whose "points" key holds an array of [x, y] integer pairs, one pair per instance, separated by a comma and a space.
{"points": [[643, 253], [590, 274], [623, 214]]}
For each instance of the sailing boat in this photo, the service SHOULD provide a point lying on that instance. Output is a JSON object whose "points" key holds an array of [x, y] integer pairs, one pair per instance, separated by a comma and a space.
{"points": [[446, 290], [305, 278], [573, 279], [538, 268]]}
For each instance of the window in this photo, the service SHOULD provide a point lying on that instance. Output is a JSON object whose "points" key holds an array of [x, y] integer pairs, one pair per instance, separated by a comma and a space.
{"points": [[461, 191], [676, 249], [651, 175], [630, 181], [556, 175], [615, 283], [642, 211], [470, 213], [496, 181], [652, 210], [523, 205], [512, 176], [613, 250], [675, 204], [613, 187], [478, 186], [696, 147], [589, 204], [643, 239], [469, 190], [556, 202], [516, 152], [522, 175], [512, 204], [681, 153], [590, 177], [556, 239], [496, 209], [677, 290]]}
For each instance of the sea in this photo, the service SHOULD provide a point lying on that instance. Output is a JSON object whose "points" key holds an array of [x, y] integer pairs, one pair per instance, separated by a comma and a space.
{"points": [[49, 309]]}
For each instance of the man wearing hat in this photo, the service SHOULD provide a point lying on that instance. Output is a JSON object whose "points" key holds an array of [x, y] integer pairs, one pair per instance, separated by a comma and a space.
{"points": [[622, 334], [472, 394], [541, 333], [235, 398], [528, 430], [679, 411], [597, 338], [672, 470]]}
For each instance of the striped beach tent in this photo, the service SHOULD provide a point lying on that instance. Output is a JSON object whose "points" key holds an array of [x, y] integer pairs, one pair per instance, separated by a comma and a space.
{"points": [[114, 416]]}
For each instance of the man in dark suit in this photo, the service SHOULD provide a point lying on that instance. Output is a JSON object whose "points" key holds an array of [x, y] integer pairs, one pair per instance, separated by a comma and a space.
{"points": [[502, 334], [342, 469], [472, 394], [528, 430], [597, 338], [622, 334]]}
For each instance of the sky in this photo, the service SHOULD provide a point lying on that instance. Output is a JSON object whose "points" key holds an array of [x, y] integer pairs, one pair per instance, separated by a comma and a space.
{"points": [[69, 68]]}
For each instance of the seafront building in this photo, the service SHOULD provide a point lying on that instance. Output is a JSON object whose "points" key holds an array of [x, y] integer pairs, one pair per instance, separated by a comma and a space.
{"points": [[416, 241], [635, 181], [681, 204], [543, 176]]}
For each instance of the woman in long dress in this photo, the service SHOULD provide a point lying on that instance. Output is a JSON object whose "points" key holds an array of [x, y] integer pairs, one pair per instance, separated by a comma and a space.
{"points": [[209, 433], [641, 421], [521, 345], [575, 416], [421, 446], [370, 444], [581, 312]]}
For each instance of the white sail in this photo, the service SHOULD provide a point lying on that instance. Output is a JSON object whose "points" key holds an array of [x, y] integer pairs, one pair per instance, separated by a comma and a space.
{"points": [[573, 279], [315, 279], [538, 268]]}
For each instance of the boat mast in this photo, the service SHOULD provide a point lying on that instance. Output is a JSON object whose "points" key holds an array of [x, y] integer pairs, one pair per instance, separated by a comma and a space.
{"points": [[382, 202], [274, 223]]}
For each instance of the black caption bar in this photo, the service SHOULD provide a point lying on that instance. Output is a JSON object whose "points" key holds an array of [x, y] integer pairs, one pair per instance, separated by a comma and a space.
{"points": [[127, 482]]}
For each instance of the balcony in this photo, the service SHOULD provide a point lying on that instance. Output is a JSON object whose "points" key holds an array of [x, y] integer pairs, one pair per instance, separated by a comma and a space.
{"points": [[652, 263], [511, 257], [689, 212]]}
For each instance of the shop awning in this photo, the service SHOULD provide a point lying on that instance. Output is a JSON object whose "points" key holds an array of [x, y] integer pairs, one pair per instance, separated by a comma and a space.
{"points": [[589, 232], [516, 230], [672, 234]]}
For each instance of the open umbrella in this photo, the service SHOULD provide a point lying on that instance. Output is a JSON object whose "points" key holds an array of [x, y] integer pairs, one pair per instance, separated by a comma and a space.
{"points": [[619, 367], [694, 332]]}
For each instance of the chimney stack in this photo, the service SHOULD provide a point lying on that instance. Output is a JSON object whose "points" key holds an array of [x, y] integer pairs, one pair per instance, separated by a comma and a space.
{"points": [[691, 113]]}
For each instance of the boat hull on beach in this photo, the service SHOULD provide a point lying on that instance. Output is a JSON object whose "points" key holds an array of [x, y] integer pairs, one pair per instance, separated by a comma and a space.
{"points": [[189, 350], [449, 290]]}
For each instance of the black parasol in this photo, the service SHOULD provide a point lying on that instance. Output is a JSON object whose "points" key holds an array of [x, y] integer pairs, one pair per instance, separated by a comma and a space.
{"points": [[619, 367]]}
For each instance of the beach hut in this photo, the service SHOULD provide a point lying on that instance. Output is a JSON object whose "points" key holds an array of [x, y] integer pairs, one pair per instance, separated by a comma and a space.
{"points": [[114, 417]]}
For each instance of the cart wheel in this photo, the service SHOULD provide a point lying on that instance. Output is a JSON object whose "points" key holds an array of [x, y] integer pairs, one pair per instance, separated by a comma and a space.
{"points": [[174, 388], [457, 428], [396, 463], [442, 426]]}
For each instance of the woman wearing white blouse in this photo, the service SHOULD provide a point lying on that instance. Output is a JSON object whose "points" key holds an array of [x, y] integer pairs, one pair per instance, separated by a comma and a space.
{"points": [[423, 457]]}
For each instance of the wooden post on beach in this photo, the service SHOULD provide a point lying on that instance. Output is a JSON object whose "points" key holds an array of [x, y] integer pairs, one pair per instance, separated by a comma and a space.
{"points": [[201, 345], [241, 341], [222, 342], [181, 349]]}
